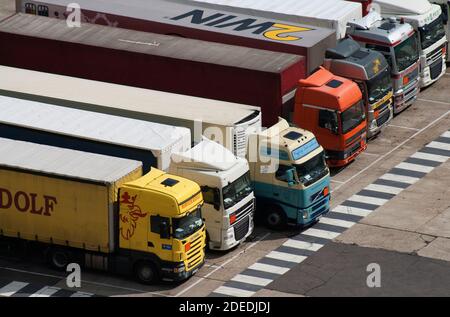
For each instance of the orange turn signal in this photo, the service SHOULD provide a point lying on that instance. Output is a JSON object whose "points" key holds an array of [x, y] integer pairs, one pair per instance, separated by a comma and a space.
{"points": [[187, 247], [326, 191], [232, 218]]}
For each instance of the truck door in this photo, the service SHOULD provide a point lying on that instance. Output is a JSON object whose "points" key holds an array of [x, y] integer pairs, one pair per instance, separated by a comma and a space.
{"points": [[212, 212], [283, 188], [158, 238]]}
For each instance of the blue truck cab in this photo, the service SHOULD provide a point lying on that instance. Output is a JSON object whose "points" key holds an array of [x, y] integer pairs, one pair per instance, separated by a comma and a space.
{"points": [[290, 177]]}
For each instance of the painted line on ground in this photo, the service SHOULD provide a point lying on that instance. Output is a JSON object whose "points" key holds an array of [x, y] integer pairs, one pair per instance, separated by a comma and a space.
{"points": [[297, 249]]}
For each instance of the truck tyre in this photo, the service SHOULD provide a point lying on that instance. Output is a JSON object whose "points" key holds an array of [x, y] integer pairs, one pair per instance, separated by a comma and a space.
{"points": [[275, 218], [59, 259], [146, 272]]}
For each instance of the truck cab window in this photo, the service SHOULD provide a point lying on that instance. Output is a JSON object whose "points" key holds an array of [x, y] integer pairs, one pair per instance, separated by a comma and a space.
{"points": [[155, 223], [385, 50], [282, 174], [210, 195], [328, 120]]}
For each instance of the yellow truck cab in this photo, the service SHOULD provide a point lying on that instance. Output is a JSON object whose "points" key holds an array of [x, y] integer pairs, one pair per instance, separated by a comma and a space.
{"points": [[169, 232], [99, 211]]}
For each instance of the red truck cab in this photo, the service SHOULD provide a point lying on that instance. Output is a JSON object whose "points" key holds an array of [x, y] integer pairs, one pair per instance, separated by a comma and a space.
{"points": [[332, 108]]}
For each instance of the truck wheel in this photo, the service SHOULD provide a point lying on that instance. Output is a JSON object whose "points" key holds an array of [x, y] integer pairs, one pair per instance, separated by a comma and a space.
{"points": [[146, 272], [59, 259], [275, 218]]}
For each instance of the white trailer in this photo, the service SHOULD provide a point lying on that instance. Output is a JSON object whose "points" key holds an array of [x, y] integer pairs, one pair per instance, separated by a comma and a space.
{"points": [[226, 122], [325, 13], [153, 144]]}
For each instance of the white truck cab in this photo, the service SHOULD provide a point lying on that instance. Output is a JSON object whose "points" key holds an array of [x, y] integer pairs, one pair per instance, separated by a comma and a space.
{"points": [[427, 20], [445, 7], [228, 194]]}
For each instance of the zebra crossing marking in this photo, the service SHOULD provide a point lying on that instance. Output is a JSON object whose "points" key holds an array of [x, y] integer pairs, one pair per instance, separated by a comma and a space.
{"points": [[298, 248], [252, 280], [24, 289], [231, 291], [46, 291], [12, 288], [288, 257]]}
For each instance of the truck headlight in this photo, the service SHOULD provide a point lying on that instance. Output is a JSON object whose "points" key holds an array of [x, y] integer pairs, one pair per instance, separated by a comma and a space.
{"points": [[373, 124], [179, 269], [305, 215]]}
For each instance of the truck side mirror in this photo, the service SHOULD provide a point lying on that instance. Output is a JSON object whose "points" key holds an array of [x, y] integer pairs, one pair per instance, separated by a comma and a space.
{"points": [[290, 178], [217, 201], [164, 229]]}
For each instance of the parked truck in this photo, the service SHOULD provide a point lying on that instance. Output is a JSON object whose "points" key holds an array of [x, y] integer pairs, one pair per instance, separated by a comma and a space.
{"points": [[224, 122], [427, 20], [347, 59], [295, 187], [398, 42], [166, 63], [99, 211], [196, 21], [445, 7], [223, 178], [340, 123]]}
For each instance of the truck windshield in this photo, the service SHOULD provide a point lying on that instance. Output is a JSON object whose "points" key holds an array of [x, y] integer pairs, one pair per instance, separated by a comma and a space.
{"points": [[353, 116], [406, 53], [431, 33], [312, 170], [237, 190], [185, 226], [379, 86]]}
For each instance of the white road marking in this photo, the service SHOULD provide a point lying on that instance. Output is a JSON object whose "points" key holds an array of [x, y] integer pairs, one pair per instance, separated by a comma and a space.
{"points": [[201, 279], [231, 291], [318, 233], [402, 127], [415, 167], [431, 157], [81, 294], [269, 268], [12, 288], [439, 145], [46, 291], [337, 222], [286, 256], [433, 101], [368, 200], [252, 280], [381, 158], [352, 211], [384, 189], [302, 245], [399, 178], [446, 134], [84, 281]]}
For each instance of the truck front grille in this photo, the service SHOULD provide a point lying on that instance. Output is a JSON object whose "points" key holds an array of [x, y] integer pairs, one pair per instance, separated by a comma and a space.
{"points": [[436, 69], [244, 211], [195, 253], [241, 228], [383, 118], [383, 106], [435, 55]]}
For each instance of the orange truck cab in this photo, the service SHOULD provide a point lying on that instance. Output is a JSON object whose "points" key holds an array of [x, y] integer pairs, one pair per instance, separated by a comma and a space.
{"points": [[332, 108]]}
